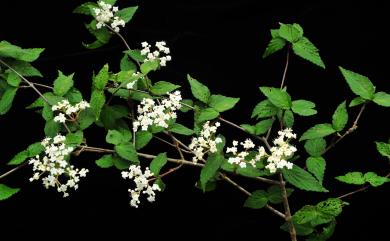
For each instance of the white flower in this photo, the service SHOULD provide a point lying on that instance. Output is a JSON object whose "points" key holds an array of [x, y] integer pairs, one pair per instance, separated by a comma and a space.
{"points": [[141, 184], [206, 142], [241, 158], [54, 168], [161, 52], [105, 15], [130, 85], [70, 111]]}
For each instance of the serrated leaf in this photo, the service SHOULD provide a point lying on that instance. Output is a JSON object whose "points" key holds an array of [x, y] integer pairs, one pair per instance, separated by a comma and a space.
{"points": [[148, 66], [52, 128], [207, 114], [316, 165], [264, 109], [7, 99], [383, 148], [257, 200], [97, 101], [62, 84], [382, 98], [102, 35], [142, 138], [331, 206], [340, 117], [352, 178], [359, 84], [105, 161], [180, 129], [199, 90], [312, 215], [277, 97], [374, 179], [274, 194], [306, 50], [274, 45], [7, 192], [157, 163], [74, 139], [74, 96], [85, 8], [288, 118], [325, 234], [301, 229], [126, 14], [127, 151], [222, 103], [315, 147], [302, 179], [117, 137], [263, 126], [24, 68], [249, 171], [163, 87], [86, 118], [100, 80], [303, 107], [249, 128], [136, 55], [12, 51], [318, 131], [126, 64], [357, 101], [19, 158], [290, 32], [210, 169]]}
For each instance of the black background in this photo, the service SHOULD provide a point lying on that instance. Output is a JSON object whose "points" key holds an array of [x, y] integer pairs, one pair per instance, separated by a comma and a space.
{"points": [[220, 43]]}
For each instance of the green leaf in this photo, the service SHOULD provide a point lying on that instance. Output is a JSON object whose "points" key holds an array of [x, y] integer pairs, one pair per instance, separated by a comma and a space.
{"points": [[74, 139], [352, 178], [274, 194], [98, 99], [326, 233], [257, 200], [7, 192], [222, 103], [316, 165], [117, 137], [207, 114], [374, 179], [340, 117], [74, 96], [136, 55], [199, 90], [249, 171], [315, 147], [185, 105], [62, 84], [13, 79], [264, 109], [19, 158], [157, 163], [142, 138], [34, 149], [110, 115], [86, 118], [274, 45], [127, 151], [85, 8], [277, 97], [301, 229], [102, 35], [100, 80], [15, 52], [148, 66], [126, 64], [52, 128], [210, 169], [382, 98], [290, 32], [383, 148], [302, 179], [180, 129], [160, 183], [126, 14], [303, 107], [249, 128], [105, 161], [6, 99], [359, 84], [163, 87], [318, 131], [331, 206], [357, 101], [263, 126], [306, 50], [288, 118], [47, 113], [312, 215], [121, 164]]}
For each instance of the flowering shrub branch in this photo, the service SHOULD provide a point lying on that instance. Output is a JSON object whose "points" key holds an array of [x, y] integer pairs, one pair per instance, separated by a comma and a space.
{"points": [[150, 111]]}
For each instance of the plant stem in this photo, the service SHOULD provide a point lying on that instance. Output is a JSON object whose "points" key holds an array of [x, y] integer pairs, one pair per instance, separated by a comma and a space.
{"points": [[12, 170], [350, 130], [36, 84], [288, 218], [285, 66]]}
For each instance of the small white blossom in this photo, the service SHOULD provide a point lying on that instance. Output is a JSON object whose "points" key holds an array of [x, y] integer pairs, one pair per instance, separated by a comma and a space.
{"points": [[71, 111], [53, 167], [105, 15], [161, 53], [206, 142], [241, 158], [142, 185]]}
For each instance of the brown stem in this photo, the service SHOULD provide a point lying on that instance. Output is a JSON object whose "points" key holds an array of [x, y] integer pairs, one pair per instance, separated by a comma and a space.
{"points": [[12, 170], [350, 130], [170, 144], [36, 84], [285, 66], [288, 218], [266, 180]]}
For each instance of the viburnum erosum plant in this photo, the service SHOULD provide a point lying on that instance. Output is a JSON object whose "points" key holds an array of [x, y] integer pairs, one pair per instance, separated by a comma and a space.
{"points": [[149, 113]]}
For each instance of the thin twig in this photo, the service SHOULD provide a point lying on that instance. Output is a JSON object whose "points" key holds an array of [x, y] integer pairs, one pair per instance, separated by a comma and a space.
{"points": [[288, 218], [266, 180], [36, 84], [285, 67], [13, 170]]}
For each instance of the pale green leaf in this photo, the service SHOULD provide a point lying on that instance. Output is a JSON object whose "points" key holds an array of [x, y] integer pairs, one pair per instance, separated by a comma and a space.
{"points": [[263, 126], [374, 179], [274, 45], [306, 50], [180, 129], [126, 14], [352, 178], [303, 107], [264, 109], [382, 98], [383, 148], [15, 52], [97, 101], [62, 84], [163, 87], [318, 131], [105, 161], [290, 32], [315, 147], [7, 192], [207, 114], [340, 117], [357, 101], [222, 103], [278, 97], [359, 84], [127, 151]]}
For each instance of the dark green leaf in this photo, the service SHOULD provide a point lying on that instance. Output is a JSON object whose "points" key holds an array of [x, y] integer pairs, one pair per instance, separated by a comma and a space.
{"points": [[352, 178], [100, 80], [288, 118], [98, 99], [277, 97], [257, 200], [163, 87], [210, 169], [180, 129], [274, 45], [222, 103], [315, 147], [5, 191], [74, 139], [359, 84], [316, 165], [357, 101], [127, 151], [6, 99], [340, 117], [199, 90], [34, 149], [264, 109], [157, 163], [249, 128], [185, 106], [13, 79], [105, 161], [52, 128], [326, 233], [263, 126], [249, 171], [302, 179], [142, 138], [306, 50], [126, 64], [126, 13], [274, 194], [13, 51], [207, 114], [122, 164], [117, 137], [136, 55], [318, 131], [331, 206], [148, 66], [74, 96], [86, 118]]}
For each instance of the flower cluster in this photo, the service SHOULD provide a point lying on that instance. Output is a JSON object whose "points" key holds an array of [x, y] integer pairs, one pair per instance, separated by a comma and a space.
{"points": [[105, 15], [56, 168], [207, 142], [141, 184], [242, 158], [281, 151], [161, 50], [71, 111], [156, 112]]}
